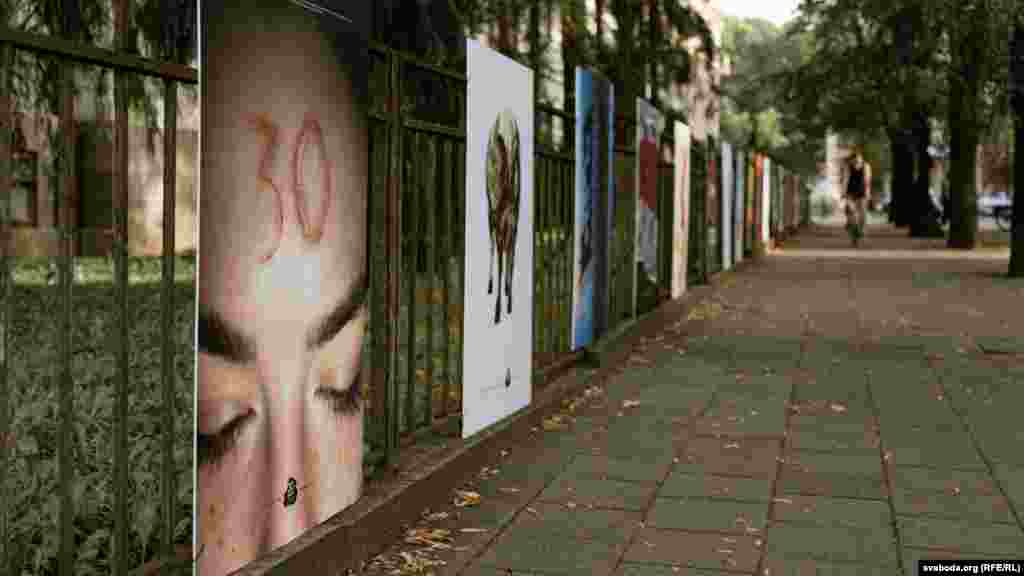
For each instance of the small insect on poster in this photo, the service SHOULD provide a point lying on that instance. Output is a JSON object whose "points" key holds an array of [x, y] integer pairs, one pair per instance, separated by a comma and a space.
{"points": [[498, 337]]}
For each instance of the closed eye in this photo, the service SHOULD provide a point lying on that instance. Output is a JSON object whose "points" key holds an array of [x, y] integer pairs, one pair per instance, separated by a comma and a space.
{"points": [[213, 447], [342, 402]]}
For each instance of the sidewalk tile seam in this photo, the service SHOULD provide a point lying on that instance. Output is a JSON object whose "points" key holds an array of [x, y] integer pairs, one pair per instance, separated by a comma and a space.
{"points": [[646, 512], [473, 555], [714, 499], [761, 437], [700, 571], [986, 460], [780, 460], [956, 519]]}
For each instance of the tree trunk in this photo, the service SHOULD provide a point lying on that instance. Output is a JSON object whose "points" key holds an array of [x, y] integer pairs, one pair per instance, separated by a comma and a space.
{"points": [[1017, 103], [964, 137], [505, 43], [535, 58], [654, 34], [925, 217], [902, 178], [570, 55]]}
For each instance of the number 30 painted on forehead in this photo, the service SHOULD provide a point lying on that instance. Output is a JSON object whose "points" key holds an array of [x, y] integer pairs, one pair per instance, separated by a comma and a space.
{"points": [[311, 135]]}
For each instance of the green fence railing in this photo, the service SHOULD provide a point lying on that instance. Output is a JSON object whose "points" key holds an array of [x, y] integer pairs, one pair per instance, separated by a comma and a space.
{"points": [[554, 218], [97, 368], [697, 249], [416, 251], [622, 256]]}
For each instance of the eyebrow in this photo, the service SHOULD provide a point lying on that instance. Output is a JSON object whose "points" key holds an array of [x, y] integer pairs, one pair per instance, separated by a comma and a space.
{"points": [[214, 336], [340, 316]]}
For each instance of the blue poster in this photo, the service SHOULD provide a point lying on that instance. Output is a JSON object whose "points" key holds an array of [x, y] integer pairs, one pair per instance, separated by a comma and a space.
{"points": [[594, 206]]}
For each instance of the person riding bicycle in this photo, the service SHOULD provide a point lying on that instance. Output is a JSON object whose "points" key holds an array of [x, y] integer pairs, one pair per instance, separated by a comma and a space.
{"points": [[858, 192]]}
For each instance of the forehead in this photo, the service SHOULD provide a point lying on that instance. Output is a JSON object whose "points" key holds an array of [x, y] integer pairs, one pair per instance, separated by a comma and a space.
{"points": [[278, 62]]}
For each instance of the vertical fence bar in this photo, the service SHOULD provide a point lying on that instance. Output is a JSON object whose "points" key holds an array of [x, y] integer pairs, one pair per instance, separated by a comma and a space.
{"points": [[412, 250], [567, 196], [64, 380], [549, 238], [394, 255], [539, 269], [121, 264], [446, 271], [460, 231], [540, 260], [554, 255], [6, 142], [430, 195], [167, 487]]}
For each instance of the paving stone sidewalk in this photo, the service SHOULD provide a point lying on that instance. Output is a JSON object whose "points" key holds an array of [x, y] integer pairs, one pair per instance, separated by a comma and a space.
{"points": [[825, 415]]}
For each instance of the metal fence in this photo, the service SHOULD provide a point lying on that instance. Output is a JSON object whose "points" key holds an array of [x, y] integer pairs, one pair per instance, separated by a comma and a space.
{"points": [[416, 258], [71, 396], [666, 215], [554, 218], [698, 252], [416, 250], [622, 255]]}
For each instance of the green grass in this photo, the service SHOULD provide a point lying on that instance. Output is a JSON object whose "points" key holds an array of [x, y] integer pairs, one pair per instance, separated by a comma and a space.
{"points": [[32, 479]]}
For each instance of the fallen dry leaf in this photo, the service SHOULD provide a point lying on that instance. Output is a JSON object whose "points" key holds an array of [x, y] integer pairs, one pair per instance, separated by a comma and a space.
{"points": [[466, 498], [431, 537], [552, 423]]}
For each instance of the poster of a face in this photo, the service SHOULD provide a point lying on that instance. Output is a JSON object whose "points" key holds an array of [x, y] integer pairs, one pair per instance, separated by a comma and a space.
{"points": [[727, 195], [681, 209], [282, 278], [594, 205], [739, 199], [497, 349], [649, 124]]}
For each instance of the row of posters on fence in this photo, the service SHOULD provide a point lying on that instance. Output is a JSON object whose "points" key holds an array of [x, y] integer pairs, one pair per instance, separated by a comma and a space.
{"points": [[283, 259]]}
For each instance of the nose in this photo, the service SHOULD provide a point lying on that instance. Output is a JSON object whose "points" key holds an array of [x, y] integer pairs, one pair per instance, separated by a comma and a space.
{"points": [[290, 510]]}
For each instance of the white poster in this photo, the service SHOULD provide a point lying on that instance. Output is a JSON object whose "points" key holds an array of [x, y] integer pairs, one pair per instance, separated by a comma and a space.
{"points": [[766, 200], [739, 201], [497, 349], [681, 209], [727, 193]]}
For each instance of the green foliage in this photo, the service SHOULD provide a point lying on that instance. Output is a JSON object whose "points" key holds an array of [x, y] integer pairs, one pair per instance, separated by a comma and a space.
{"points": [[756, 112], [156, 29], [32, 474], [824, 207]]}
